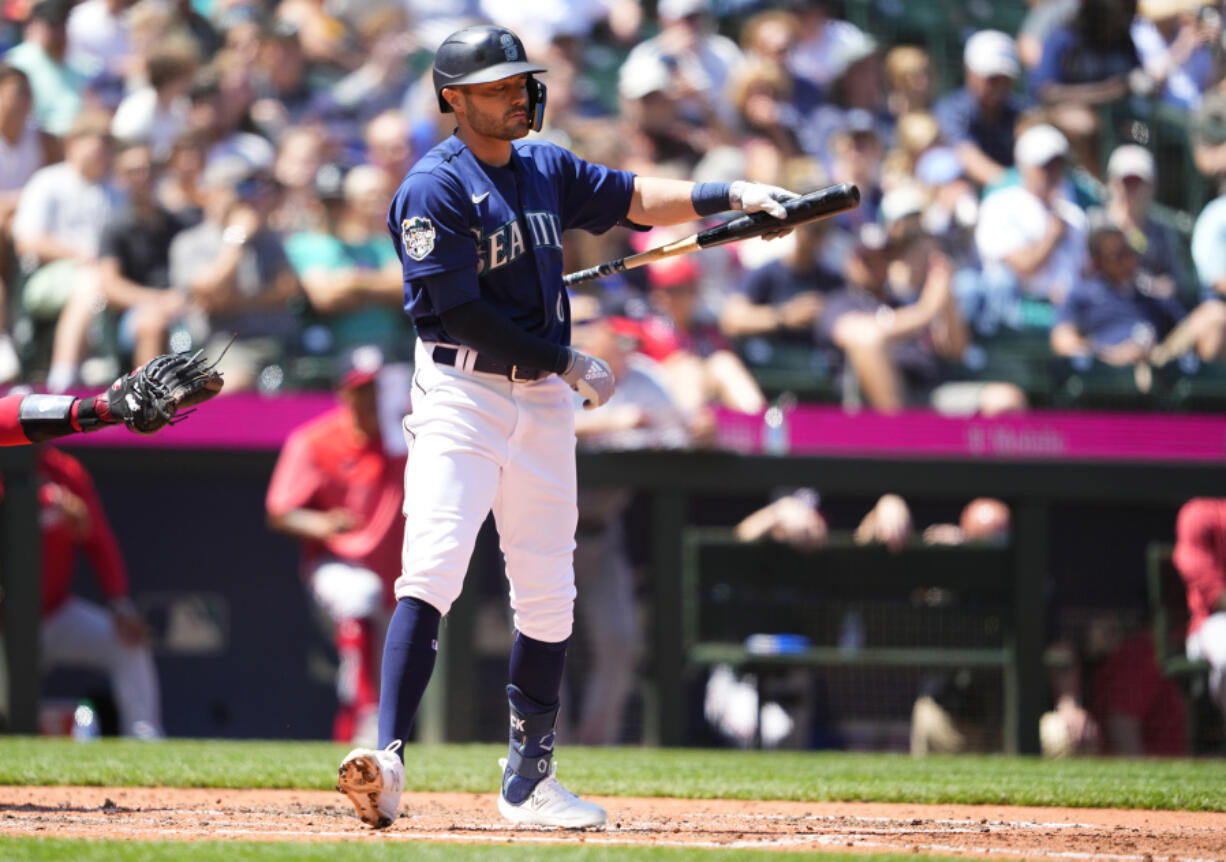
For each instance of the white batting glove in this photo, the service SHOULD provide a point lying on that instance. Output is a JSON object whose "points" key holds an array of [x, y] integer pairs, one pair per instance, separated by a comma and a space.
{"points": [[590, 377], [759, 197]]}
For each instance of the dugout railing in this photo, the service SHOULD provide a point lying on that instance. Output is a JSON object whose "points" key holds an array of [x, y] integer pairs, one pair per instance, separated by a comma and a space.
{"points": [[766, 608]]}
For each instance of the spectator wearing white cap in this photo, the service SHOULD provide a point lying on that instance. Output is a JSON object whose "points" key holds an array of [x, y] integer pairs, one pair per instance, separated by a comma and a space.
{"points": [[1030, 236], [1130, 181], [978, 120], [1209, 248], [699, 60]]}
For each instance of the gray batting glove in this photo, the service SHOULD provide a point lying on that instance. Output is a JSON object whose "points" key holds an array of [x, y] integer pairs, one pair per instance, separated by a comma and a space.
{"points": [[759, 197], [590, 377]]}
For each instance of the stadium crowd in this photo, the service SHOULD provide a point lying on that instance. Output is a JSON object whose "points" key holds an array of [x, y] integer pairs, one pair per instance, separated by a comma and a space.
{"points": [[172, 173]]}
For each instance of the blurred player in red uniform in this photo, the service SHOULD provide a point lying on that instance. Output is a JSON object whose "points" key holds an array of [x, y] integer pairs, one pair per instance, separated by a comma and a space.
{"points": [[1139, 711], [336, 489], [1200, 557], [79, 633]]}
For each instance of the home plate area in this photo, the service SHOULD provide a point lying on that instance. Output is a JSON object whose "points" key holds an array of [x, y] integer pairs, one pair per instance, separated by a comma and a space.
{"points": [[177, 814]]}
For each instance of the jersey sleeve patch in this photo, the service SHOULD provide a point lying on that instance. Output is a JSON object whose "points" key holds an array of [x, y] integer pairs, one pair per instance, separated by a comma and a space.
{"points": [[417, 236]]}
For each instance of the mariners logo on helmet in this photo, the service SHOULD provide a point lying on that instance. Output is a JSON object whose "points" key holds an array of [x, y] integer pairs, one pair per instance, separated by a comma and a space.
{"points": [[508, 47], [417, 236]]}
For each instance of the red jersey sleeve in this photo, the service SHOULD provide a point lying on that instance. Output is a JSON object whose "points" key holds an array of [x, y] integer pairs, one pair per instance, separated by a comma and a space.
{"points": [[10, 421], [295, 479], [100, 546], [1200, 555]]}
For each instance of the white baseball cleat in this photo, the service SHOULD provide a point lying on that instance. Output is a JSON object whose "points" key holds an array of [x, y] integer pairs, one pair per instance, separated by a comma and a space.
{"points": [[373, 780], [551, 804]]}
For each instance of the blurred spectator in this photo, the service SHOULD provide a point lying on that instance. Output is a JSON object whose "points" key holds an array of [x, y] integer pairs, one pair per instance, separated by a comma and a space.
{"points": [[58, 226], [822, 42], [699, 366], [698, 60], [57, 87], [784, 297], [233, 266], [280, 84], [300, 155], [772, 35], [1043, 19], [908, 80], [659, 133], [337, 490], [855, 153], [1139, 710], [23, 150], [1208, 134], [984, 519], [349, 271], [100, 46], [1030, 236], [388, 145], [855, 98], [1130, 185], [1087, 64], [1176, 45], [1209, 248], [79, 633], [378, 84], [978, 120], [914, 134], [197, 27], [324, 39], [760, 90], [1200, 557], [157, 113], [640, 415], [885, 342], [1111, 318], [134, 261], [220, 98], [179, 190]]}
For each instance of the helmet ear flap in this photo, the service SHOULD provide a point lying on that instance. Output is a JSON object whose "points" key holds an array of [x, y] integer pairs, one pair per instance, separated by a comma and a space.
{"points": [[536, 103]]}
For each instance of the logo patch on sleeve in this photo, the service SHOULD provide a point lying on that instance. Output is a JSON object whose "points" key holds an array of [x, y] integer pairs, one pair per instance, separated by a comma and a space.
{"points": [[417, 236]]}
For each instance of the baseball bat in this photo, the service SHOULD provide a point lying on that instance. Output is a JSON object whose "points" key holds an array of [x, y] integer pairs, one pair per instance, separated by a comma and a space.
{"points": [[822, 203]]}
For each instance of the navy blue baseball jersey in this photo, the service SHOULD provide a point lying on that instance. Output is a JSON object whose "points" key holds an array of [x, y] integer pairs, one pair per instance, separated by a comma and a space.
{"points": [[496, 232]]}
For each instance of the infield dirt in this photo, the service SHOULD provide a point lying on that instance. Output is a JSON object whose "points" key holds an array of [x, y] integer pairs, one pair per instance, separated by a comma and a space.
{"points": [[162, 814]]}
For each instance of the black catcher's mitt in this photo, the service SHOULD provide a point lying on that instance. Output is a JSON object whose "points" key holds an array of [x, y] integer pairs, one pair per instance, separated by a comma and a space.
{"points": [[158, 393]]}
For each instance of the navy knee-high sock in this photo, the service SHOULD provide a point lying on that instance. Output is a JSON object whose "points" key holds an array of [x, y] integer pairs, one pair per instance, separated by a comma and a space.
{"points": [[408, 660], [535, 679]]}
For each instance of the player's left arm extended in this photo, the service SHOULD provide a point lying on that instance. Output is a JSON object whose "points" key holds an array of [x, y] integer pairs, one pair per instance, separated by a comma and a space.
{"points": [[660, 201]]}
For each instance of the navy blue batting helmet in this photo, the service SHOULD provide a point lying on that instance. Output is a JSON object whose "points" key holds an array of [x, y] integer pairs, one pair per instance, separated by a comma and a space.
{"points": [[481, 54]]}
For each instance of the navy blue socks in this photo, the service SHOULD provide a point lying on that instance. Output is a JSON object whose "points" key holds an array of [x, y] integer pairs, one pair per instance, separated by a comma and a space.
{"points": [[535, 680], [408, 660]]}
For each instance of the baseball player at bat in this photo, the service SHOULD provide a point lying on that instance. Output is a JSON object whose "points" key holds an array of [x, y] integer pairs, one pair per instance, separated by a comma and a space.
{"points": [[478, 224]]}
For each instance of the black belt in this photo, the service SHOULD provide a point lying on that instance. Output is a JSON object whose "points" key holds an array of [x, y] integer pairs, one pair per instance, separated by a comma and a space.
{"points": [[515, 373]]}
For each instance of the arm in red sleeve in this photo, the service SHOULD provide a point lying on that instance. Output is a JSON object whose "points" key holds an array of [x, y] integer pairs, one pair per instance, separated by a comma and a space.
{"points": [[1200, 552], [296, 477], [11, 433]]}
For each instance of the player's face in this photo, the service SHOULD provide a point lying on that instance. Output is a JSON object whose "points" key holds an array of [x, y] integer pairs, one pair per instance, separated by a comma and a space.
{"points": [[498, 109]]}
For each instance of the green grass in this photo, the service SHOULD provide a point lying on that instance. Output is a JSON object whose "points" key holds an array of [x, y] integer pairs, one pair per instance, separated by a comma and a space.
{"points": [[1194, 785], [46, 849]]}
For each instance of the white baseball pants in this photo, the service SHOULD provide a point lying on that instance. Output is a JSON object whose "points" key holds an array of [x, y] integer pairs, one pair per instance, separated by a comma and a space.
{"points": [[478, 442], [82, 634], [1208, 643]]}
